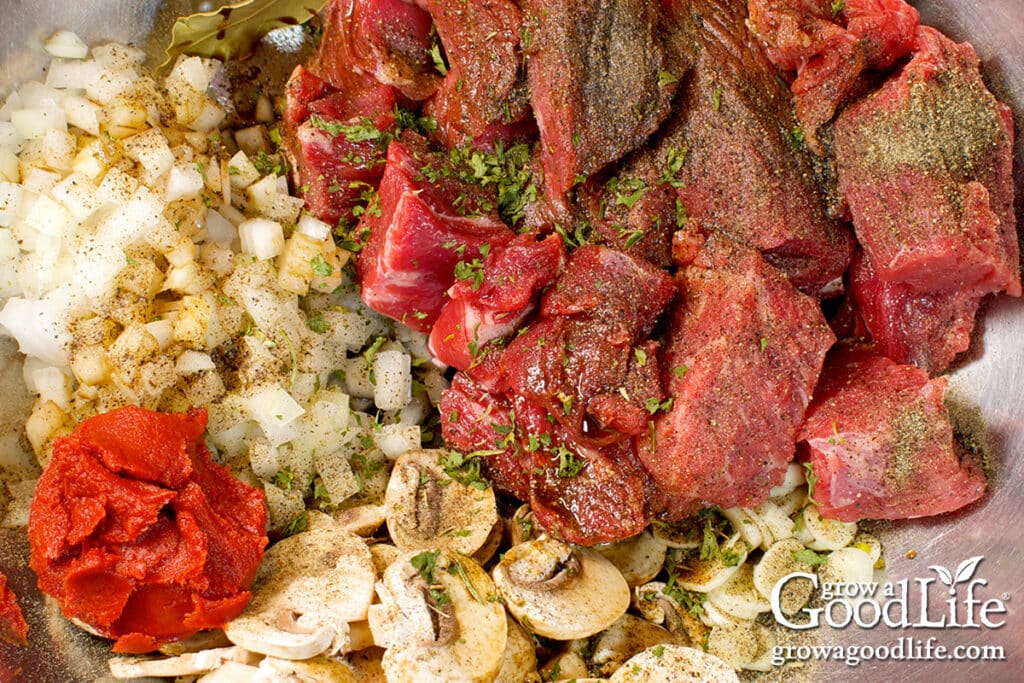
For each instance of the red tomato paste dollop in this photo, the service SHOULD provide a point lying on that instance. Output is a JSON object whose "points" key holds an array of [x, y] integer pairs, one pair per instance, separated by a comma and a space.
{"points": [[139, 535]]}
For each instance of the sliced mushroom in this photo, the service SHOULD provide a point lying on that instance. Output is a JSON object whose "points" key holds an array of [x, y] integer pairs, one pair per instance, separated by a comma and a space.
{"points": [[742, 521], [363, 520], [702, 576], [623, 639], [675, 663], [560, 591], [439, 619], [204, 640], [524, 525], [739, 597], [383, 555], [314, 670], [233, 672], [780, 561], [427, 509], [568, 666], [520, 659], [773, 522], [639, 558], [491, 545], [795, 478], [187, 664], [367, 665], [308, 588], [740, 644], [684, 534], [658, 607]]}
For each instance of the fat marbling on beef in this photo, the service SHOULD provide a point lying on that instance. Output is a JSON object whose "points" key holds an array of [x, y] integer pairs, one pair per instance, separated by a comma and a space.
{"points": [[598, 80], [880, 442], [428, 221], [742, 358]]}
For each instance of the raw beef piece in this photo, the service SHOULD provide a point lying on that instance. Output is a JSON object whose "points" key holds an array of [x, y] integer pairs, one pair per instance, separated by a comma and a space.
{"points": [[335, 141], [428, 222], [388, 40], [925, 330], [742, 356], [880, 443], [629, 215], [598, 86], [728, 150], [829, 48], [492, 302], [485, 85], [583, 493], [584, 360], [475, 420], [925, 163]]}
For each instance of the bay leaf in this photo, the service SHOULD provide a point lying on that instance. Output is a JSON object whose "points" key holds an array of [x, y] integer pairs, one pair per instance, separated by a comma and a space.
{"points": [[233, 30]]}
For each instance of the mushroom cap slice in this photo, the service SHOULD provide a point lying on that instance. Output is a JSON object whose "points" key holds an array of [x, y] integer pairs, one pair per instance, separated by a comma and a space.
{"points": [[520, 658], [639, 558], [185, 664], [427, 509], [439, 619], [668, 663], [623, 639], [561, 591], [307, 590], [318, 669]]}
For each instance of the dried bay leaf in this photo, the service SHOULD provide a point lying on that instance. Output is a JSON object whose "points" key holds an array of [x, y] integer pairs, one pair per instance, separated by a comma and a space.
{"points": [[233, 30]]}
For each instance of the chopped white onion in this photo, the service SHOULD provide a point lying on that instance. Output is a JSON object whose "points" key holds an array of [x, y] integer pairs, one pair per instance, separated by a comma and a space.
{"points": [[66, 45]]}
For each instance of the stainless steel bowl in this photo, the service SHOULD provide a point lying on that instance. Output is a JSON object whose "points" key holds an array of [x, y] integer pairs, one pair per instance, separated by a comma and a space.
{"points": [[992, 377]]}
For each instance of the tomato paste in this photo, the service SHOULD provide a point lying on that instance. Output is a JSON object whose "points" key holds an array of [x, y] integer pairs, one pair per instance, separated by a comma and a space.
{"points": [[13, 628], [139, 535]]}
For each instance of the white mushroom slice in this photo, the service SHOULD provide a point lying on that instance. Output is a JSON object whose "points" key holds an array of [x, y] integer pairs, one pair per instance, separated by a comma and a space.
{"points": [[712, 615], [639, 558], [738, 596], [315, 670], [658, 607], [308, 588], [367, 665], [560, 591], [383, 555], [568, 666], [684, 535], [188, 664], [524, 526], [363, 520], [695, 574], [520, 659], [743, 523], [623, 639], [360, 636], [778, 562], [818, 533], [439, 619], [794, 479], [236, 672], [491, 545], [766, 645], [737, 644], [427, 509], [674, 664]]}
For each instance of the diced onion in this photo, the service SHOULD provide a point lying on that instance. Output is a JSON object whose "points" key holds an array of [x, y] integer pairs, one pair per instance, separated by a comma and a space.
{"points": [[66, 45]]}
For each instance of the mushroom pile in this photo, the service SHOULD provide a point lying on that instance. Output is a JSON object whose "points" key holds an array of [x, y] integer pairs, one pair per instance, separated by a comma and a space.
{"points": [[434, 584]]}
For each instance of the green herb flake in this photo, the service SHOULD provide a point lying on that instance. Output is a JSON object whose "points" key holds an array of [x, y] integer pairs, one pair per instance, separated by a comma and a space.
{"points": [[321, 267], [810, 557]]}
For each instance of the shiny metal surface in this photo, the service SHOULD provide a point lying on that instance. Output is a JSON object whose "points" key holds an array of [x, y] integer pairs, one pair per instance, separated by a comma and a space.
{"points": [[992, 377]]}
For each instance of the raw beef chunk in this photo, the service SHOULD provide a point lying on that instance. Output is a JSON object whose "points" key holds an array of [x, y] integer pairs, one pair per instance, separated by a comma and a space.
{"points": [[742, 357], [880, 443], [492, 300], [925, 163], [427, 223], [387, 40], [925, 330], [829, 46], [485, 86], [598, 84]]}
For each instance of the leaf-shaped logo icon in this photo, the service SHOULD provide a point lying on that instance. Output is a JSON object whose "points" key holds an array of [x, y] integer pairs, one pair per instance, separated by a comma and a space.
{"points": [[967, 568], [943, 573]]}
